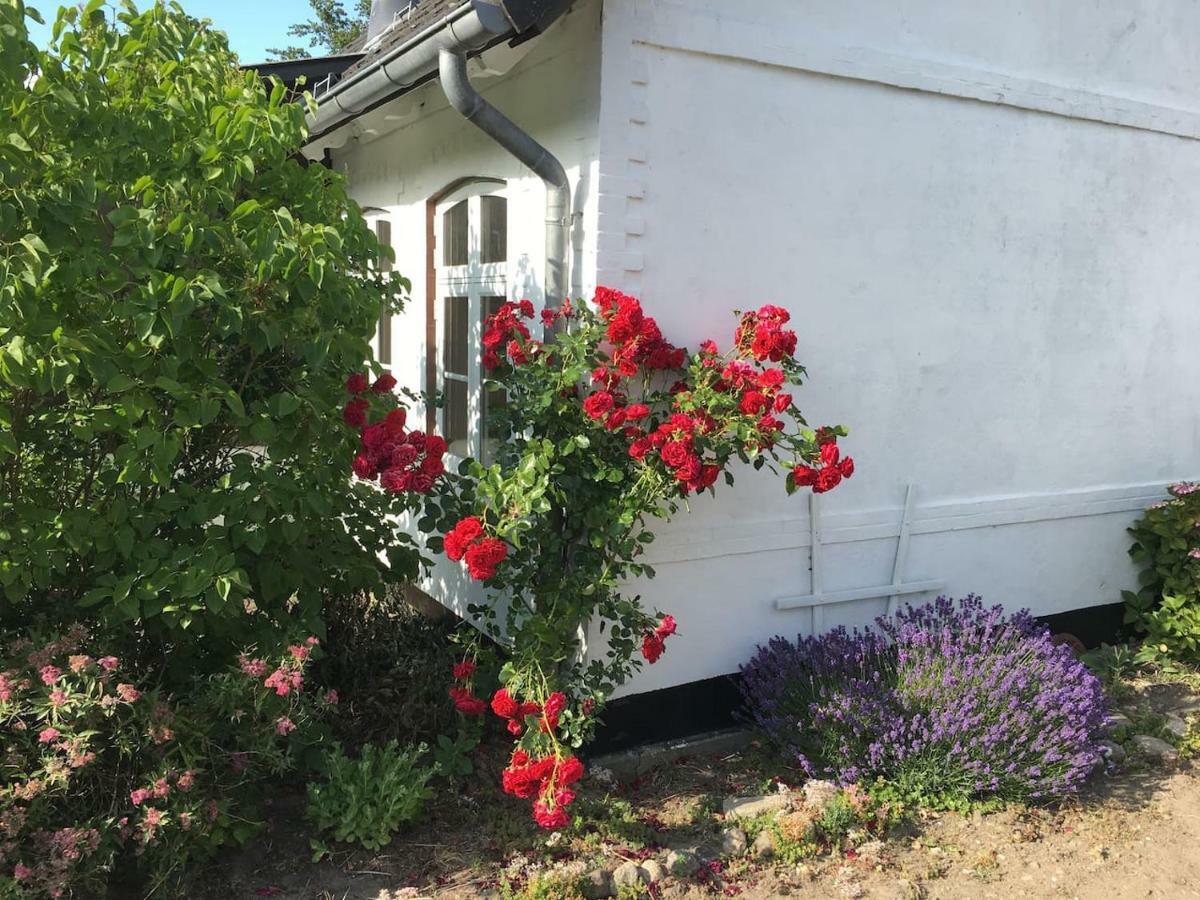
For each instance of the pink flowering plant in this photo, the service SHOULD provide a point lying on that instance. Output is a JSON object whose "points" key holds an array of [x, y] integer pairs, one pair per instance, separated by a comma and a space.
{"points": [[1166, 609], [608, 426], [101, 769]]}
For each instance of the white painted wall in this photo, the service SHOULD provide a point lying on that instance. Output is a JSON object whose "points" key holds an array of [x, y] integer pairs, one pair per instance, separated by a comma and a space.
{"points": [[984, 220]]}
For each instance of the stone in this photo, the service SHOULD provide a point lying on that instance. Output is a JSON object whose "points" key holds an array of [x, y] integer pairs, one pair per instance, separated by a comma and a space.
{"points": [[1176, 726], [629, 875], [764, 845], [818, 793], [1155, 748], [749, 807], [1187, 706], [654, 870], [598, 884], [683, 863], [1119, 720], [1113, 752], [733, 842]]}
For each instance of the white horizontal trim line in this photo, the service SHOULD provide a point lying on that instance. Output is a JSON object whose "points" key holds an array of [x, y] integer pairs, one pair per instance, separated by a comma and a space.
{"points": [[709, 36], [867, 593], [682, 543]]}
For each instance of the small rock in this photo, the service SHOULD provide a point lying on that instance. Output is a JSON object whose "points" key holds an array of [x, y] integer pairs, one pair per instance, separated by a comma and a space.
{"points": [[1176, 726], [1119, 720], [1187, 706], [654, 870], [1113, 752], [1156, 748], [598, 884], [764, 845], [683, 863], [749, 807], [629, 874], [733, 842], [818, 793]]}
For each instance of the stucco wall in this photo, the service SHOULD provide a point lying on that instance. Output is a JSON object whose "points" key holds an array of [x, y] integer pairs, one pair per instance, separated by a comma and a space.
{"points": [[984, 220]]}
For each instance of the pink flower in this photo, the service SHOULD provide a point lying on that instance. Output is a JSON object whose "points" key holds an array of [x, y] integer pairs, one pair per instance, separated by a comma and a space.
{"points": [[79, 663], [284, 726], [331, 697], [140, 796], [50, 734], [50, 674], [107, 663], [21, 871], [128, 693], [279, 681], [254, 668], [300, 654], [186, 781], [58, 697]]}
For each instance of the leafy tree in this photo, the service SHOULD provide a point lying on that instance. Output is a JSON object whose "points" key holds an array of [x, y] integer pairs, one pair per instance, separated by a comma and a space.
{"points": [[180, 301], [331, 28]]}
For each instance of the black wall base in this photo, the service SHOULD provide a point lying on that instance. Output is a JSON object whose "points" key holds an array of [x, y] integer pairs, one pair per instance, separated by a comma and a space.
{"points": [[710, 705]]}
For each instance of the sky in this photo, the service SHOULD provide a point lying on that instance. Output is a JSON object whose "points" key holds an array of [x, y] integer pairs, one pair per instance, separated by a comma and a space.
{"points": [[252, 25]]}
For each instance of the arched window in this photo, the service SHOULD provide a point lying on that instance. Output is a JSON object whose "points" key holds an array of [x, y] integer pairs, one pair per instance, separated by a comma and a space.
{"points": [[471, 260]]}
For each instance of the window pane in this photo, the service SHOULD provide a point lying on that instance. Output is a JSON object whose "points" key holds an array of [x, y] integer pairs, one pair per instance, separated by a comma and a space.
{"points": [[454, 235], [454, 351], [454, 416], [383, 231], [493, 229]]}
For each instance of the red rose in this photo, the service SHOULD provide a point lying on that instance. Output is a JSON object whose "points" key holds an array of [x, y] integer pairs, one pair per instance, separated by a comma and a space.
{"points": [[469, 528], [356, 383], [363, 467], [752, 403], [483, 558], [504, 705], [636, 411], [384, 383], [597, 404], [639, 448], [490, 359], [782, 402], [652, 647], [355, 413], [421, 482], [830, 454], [404, 455], [433, 466], [676, 453], [466, 702], [526, 307], [827, 479], [804, 476], [666, 627], [464, 669], [394, 421], [416, 439], [374, 436], [548, 817], [435, 445], [552, 709], [395, 480], [846, 466]]}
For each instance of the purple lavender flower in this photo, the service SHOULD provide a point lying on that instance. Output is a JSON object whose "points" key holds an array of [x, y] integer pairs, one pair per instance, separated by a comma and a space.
{"points": [[950, 699]]}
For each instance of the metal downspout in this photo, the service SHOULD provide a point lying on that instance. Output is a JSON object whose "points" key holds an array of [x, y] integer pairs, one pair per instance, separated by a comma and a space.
{"points": [[452, 69]]}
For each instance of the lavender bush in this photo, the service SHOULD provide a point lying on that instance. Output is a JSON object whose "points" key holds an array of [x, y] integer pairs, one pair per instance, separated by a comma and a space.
{"points": [[949, 701]]}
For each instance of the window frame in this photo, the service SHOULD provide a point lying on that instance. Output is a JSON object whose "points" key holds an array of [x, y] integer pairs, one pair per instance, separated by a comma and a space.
{"points": [[477, 282]]}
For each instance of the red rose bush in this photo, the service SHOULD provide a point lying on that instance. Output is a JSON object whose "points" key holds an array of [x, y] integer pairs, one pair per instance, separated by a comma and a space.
{"points": [[608, 425]]}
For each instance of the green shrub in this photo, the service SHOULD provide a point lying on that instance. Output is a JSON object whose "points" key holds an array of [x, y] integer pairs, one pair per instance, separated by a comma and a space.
{"points": [[181, 301], [1167, 606], [367, 800], [105, 774]]}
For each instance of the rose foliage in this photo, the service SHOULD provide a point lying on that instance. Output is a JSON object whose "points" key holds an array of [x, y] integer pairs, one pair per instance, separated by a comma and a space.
{"points": [[608, 427]]}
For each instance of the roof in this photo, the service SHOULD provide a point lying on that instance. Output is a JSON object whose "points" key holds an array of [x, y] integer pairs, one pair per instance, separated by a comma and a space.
{"points": [[417, 18]]}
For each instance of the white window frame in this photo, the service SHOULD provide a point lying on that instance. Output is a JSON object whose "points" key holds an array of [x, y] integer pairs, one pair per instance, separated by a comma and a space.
{"points": [[475, 280]]}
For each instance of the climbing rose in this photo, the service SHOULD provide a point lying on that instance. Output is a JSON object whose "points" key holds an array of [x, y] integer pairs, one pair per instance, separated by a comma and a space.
{"points": [[466, 702], [483, 558], [504, 705], [597, 404], [464, 669], [356, 383], [384, 383], [652, 647]]}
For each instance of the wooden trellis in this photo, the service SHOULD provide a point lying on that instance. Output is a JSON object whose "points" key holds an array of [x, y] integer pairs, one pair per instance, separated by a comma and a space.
{"points": [[819, 598]]}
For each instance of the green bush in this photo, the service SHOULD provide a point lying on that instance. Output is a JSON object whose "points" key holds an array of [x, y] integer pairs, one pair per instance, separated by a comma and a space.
{"points": [[1167, 606], [181, 299], [106, 775], [367, 800]]}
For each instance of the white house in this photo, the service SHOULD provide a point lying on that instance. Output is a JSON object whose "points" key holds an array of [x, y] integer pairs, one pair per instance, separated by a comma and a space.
{"points": [[984, 218]]}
